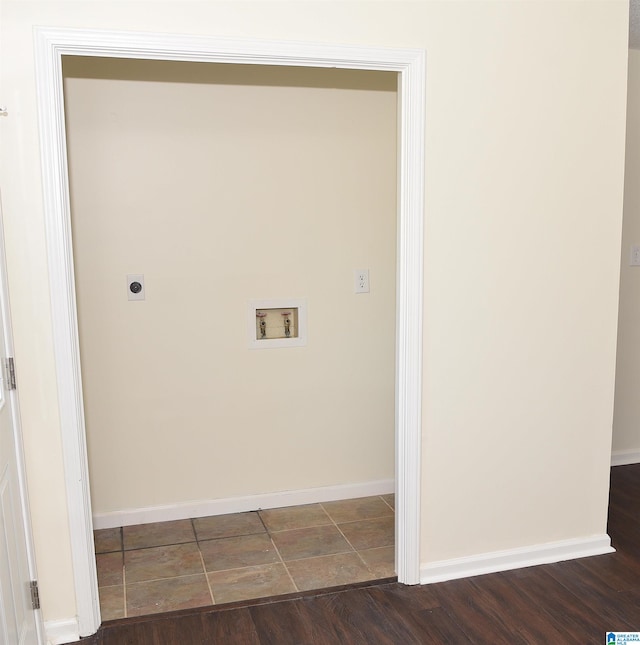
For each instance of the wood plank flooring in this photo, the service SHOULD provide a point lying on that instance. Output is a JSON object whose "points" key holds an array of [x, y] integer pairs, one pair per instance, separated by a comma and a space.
{"points": [[573, 602]]}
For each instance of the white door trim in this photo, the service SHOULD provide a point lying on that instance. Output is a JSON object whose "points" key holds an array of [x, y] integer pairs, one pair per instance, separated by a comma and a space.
{"points": [[54, 43]]}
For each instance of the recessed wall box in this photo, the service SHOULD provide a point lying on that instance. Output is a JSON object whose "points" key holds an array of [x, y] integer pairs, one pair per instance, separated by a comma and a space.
{"points": [[277, 323]]}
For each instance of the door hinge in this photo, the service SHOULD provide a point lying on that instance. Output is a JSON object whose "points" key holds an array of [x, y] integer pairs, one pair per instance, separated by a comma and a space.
{"points": [[35, 594], [11, 373]]}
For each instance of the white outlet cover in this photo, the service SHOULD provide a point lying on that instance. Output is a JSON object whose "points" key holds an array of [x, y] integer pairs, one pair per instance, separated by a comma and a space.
{"points": [[634, 260], [361, 280], [135, 277]]}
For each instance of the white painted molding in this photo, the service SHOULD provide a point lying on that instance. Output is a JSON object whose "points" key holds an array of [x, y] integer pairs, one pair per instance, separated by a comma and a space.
{"points": [[625, 457], [51, 45], [204, 508], [59, 632], [55, 188], [515, 558], [409, 312]]}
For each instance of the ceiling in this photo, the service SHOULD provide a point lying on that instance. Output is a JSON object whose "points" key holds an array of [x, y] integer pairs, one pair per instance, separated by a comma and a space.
{"points": [[634, 24]]}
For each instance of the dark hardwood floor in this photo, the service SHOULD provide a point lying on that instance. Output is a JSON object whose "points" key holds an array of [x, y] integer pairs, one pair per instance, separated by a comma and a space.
{"points": [[566, 603]]}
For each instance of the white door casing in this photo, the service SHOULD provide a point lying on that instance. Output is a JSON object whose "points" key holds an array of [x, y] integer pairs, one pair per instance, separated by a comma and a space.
{"points": [[20, 622], [54, 43]]}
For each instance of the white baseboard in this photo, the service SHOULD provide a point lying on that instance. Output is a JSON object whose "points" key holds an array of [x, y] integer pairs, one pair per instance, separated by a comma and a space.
{"points": [[58, 632], [625, 457], [204, 508], [515, 558]]}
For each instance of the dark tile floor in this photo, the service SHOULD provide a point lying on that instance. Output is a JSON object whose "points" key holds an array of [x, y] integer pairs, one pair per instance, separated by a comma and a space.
{"points": [[151, 568]]}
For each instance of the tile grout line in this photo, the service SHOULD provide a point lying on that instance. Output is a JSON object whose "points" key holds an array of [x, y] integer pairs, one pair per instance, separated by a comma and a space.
{"points": [[124, 585], [341, 533], [204, 566], [347, 539], [284, 564], [160, 546], [371, 519], [389, 505], [206, 577], [354, 549], [368, 519], [349, 542], [186, 575], [302, 528]]}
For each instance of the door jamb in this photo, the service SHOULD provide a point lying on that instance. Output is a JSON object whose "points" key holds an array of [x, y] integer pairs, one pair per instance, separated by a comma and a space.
{"points": [[54, 43]]}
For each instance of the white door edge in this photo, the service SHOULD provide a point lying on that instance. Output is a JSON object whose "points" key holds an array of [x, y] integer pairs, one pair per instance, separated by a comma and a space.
{"points": [[54, 43], [5, 312]]}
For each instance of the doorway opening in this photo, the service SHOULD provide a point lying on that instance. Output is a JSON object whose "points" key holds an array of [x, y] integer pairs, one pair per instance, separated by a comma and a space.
{"points": [[262, 180], [409, 64]]}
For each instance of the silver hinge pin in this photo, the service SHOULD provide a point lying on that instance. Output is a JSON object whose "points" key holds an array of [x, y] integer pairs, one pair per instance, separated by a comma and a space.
{"points": [[35, 594], [11, 373]]}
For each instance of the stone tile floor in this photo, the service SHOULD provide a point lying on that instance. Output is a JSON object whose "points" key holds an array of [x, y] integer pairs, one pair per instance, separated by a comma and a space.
{"points": [[151, 568]]}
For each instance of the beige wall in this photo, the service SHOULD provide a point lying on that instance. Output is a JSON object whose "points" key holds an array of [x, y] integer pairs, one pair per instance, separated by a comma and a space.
{"points": [[224, 184], [524, 179], [626, 419]]}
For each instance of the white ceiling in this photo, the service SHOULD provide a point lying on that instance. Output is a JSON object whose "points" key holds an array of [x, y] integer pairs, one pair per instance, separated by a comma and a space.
{"points": [[634, 24]]}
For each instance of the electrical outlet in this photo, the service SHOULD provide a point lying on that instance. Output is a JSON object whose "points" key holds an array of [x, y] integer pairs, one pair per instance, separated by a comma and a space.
{"points": [[635, 256], [361, 280], [135, 287]]}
